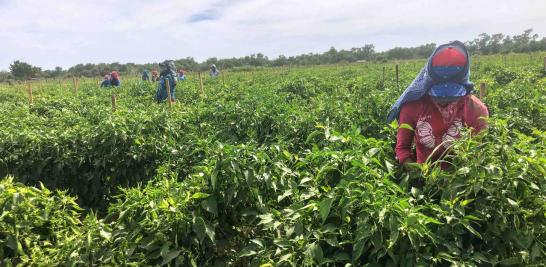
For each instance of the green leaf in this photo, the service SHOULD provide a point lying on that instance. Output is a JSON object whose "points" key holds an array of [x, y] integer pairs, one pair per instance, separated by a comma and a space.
{"points": [[214, 179], [200, 195], [315, 252], [106, 235], [15, 245], [247, 252], [305, 180], [285, 257], [209, 229], [512, 261], [170, 256], [324, 208], [372, 152], [341, 257], [312, 136], [358, 248], [210, 205], [266, 218], [406, 126], [472, 230], [431, 220], [199, 228], [512, 203]]}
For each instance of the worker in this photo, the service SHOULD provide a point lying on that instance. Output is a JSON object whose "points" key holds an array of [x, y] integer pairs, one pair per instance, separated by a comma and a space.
{"points": [[106, 81], [145, 76], [155, 76], [436, 106], [214, 72], [115, 79], [168, 73], [181, 75]]}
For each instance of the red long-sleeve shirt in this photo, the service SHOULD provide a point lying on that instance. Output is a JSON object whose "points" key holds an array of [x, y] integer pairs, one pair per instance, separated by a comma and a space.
{"points": [[429, 130]]}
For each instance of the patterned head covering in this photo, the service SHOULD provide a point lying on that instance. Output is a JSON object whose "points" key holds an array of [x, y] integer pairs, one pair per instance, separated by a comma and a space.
{"points": [[445, 77], [168, 65]]}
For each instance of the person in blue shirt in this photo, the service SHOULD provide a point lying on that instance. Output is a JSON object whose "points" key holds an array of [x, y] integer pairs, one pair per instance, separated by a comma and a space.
{"points": [[145, 76], [168, 73], [106, 81], [214, 72], [181, 75]]}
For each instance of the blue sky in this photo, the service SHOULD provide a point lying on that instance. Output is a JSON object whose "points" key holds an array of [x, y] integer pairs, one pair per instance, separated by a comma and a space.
{"points": [[64, 33]]}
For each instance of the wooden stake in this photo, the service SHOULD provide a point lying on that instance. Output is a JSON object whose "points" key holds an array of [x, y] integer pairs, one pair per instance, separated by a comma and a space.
{"points": [[168, 86], [30, 100], [397, 74], [483, 90], [74, 85], [113, 102], [201, 84], [223, 79], [383, 80], [544, 63]]}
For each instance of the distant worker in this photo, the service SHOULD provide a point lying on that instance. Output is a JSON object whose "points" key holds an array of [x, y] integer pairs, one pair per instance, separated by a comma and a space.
{"points": [[105, 81], [214, 72], [155, 76], [168, 73], [145, 76], [115, 80], [181, 75], [436, 106]]}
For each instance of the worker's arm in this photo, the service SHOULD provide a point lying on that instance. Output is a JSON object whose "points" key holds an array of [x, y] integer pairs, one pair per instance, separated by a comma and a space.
{"points": [[404, 138], [477, 114]]}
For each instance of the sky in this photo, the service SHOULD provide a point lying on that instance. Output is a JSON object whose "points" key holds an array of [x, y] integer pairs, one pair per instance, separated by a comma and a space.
{"points": [[50, 33]]}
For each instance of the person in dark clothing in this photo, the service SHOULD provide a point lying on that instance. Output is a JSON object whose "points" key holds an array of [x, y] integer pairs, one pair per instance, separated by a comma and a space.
{"points": [[145, 76], [168, 72], [105, 82]]}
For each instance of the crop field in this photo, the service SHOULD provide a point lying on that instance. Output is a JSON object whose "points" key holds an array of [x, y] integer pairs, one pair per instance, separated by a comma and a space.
{"points": [[270, 167]]}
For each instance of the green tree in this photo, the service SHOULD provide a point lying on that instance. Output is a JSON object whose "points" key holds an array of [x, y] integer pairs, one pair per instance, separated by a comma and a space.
{"points": [[23, 71]]}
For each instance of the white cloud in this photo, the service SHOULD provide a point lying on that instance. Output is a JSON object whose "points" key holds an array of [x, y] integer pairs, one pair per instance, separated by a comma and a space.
{"points": [[64, 33]]}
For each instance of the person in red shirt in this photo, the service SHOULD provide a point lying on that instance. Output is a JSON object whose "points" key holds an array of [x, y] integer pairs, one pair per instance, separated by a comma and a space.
{"points": [[115, 79], [433, 120]]}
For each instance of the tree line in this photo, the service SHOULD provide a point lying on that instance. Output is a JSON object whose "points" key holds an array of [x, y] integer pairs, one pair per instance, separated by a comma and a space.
{"points": [[484, 44]]}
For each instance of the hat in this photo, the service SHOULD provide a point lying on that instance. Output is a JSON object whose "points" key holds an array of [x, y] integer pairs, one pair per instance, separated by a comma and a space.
{"points": [[448, 62]]}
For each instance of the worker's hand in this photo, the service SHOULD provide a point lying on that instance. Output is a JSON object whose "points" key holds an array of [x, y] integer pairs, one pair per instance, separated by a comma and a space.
{"points": [[412, 167], [414, 170]]}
